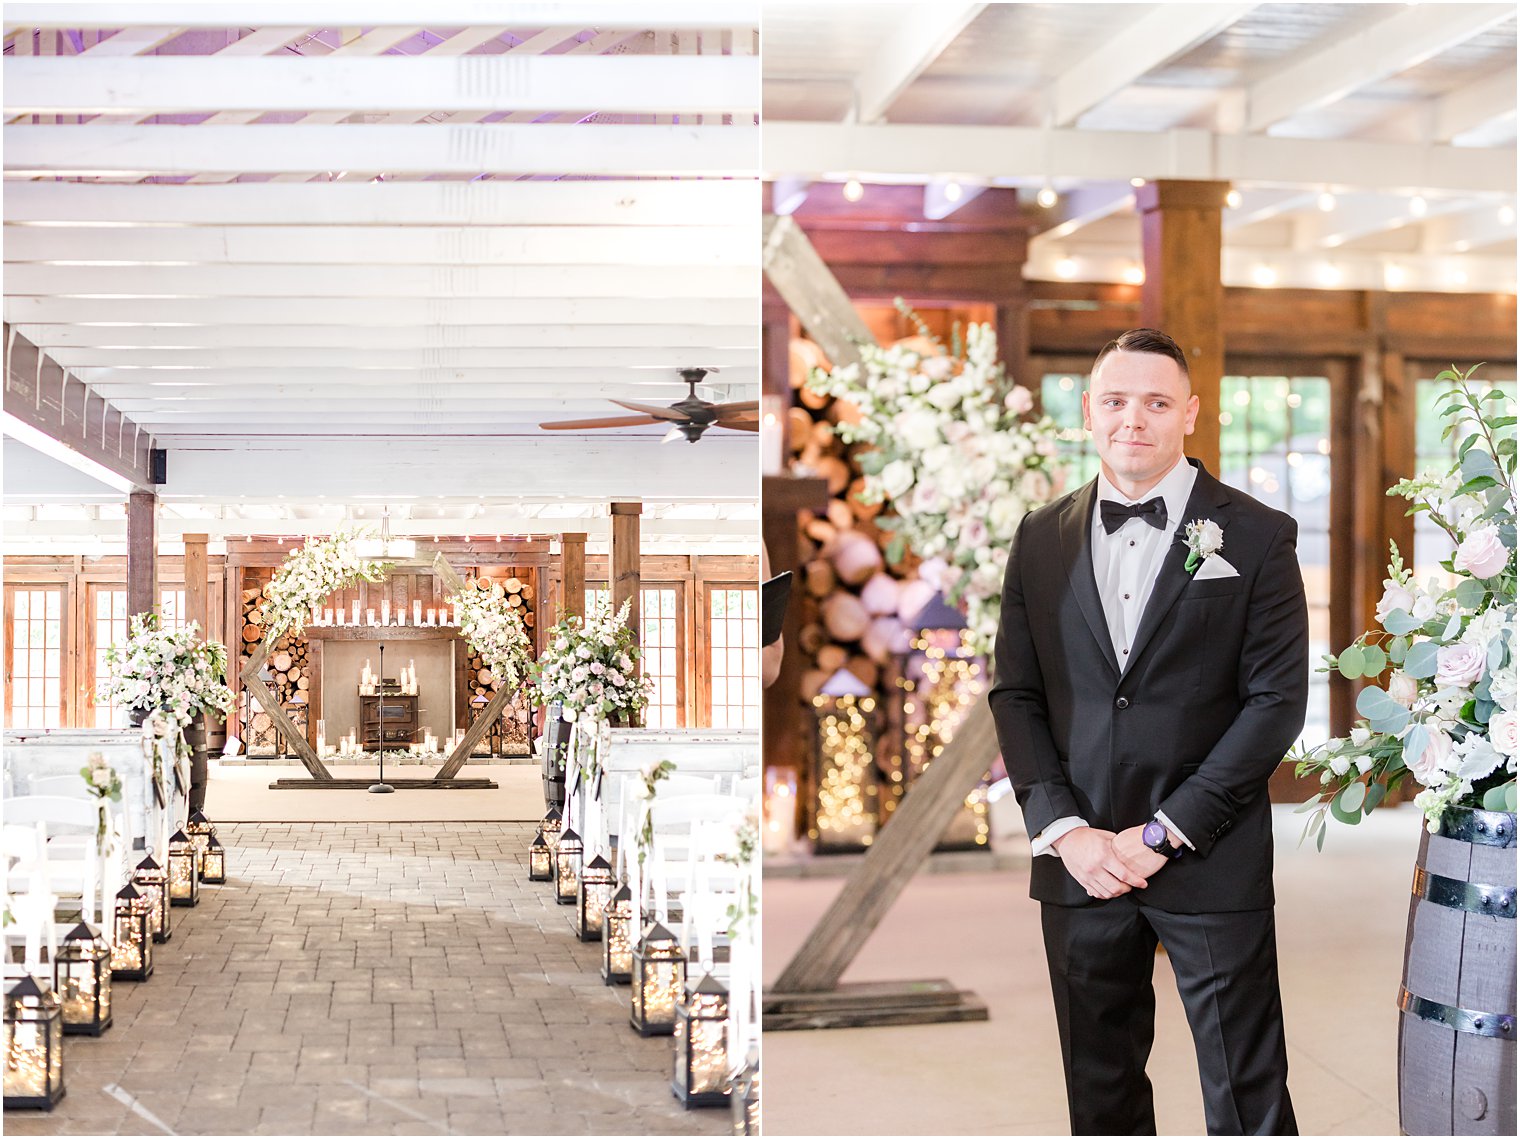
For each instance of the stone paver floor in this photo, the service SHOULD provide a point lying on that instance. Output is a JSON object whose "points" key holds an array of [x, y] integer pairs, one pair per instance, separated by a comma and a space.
{"points": [[371, 979]]}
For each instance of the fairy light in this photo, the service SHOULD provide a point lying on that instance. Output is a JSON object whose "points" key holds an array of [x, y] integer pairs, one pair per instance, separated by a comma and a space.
{"points": [[943, 680], [846, 793]]}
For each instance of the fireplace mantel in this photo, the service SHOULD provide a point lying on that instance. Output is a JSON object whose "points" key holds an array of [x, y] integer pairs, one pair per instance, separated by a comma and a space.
{"points": [[381, 633]]}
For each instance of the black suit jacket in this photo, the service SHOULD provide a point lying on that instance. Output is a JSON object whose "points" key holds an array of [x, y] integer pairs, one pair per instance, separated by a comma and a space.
{"points": [[1214, 697]]}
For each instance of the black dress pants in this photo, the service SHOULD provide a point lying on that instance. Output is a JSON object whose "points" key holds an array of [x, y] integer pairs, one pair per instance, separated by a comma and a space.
{"points": [[1101, 960]]}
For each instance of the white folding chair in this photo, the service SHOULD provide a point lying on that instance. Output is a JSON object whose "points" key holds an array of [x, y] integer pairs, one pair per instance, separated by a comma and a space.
{"points": [[711, 888], [73, 862], [28, 898], [672, 822]]}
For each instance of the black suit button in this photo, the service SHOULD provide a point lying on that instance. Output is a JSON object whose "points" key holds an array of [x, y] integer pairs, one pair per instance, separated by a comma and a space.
{"points": [[1122, 703]]}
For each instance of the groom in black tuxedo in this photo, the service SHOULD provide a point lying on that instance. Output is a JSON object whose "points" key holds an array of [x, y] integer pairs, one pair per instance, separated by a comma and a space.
{"points": [[1144, 694]]}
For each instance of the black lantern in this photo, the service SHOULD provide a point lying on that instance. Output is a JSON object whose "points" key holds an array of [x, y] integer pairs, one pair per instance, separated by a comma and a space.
{"points": [[184, 870], [214, 862], [597, 884], [33, 1046], [939, 678], [82, 980], [701, 1075], [540, 860], [200, 830], [844, 764], [552, 824], [153, 884], [132, 947], [567, 867], [659, 975], [617, 945], [746, 1096]]}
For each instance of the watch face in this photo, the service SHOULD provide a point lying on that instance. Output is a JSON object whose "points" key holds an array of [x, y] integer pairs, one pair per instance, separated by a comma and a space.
{"points": [[1153, 835]]}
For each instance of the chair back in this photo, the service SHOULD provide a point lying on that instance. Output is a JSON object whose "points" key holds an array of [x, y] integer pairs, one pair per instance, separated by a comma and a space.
{"points": [[62, 814], [61, 786]]}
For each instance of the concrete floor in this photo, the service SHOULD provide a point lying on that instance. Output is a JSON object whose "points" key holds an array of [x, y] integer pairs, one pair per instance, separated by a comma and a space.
{"points": [[1341, 916], [371, 979]]}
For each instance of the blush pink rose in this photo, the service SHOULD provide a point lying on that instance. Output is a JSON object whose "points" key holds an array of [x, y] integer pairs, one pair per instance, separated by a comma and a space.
{"points": [[1503, 734], [1395, 596], [1429, 765], [1019, 401], [1481, 553], [1458, 665], [1403, 688]]}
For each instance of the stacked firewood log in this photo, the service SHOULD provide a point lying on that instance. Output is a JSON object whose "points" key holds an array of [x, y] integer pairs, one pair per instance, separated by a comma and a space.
{"points": [[855, 607], [289, 672], [508, 737]]}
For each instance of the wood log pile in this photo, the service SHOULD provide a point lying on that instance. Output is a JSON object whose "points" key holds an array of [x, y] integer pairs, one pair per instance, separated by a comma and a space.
{"points": [[855, 608], [289, 671], [510, 736]]}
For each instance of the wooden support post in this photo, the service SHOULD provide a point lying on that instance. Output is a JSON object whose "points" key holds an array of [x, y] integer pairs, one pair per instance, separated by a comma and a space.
{"points": [[197, 584], [572, 556], [624, 561], [1182, 237], [142, 553]]}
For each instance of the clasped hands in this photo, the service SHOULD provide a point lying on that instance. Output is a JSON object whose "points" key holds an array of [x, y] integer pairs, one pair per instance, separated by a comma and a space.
{"points": [[1106, 864]]}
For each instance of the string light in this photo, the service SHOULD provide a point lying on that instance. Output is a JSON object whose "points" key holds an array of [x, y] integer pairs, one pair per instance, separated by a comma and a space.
{"points": [[846, 792], [941, 681], [853, 190]]}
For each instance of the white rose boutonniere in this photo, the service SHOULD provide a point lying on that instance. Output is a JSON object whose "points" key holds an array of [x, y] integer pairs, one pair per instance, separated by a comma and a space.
{"points": [[1204, 539]]}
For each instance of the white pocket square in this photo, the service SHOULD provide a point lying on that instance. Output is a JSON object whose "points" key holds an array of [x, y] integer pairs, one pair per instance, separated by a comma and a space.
{"points": [[1215, 567]]}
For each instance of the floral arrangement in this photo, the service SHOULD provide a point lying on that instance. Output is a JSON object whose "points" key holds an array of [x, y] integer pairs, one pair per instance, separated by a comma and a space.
{"points": [[104, 784], [168, 669], [588, 667], [494, 629], [1446, 714], [309, 576], [953, 452]]}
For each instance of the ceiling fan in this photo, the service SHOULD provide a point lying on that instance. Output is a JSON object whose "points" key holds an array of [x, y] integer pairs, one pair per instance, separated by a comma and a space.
{"points": [[689, 417]]}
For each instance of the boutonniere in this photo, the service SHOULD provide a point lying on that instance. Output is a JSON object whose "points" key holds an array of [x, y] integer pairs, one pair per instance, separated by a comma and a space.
{"points": [[1204, 539]]}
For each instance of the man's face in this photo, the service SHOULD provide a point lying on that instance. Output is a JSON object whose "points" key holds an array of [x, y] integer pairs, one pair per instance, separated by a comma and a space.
{"points": [[1138, 409]]}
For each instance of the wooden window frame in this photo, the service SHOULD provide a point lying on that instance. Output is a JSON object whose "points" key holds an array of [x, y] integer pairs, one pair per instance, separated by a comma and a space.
{"points": [[703, 657], [67, 650]]}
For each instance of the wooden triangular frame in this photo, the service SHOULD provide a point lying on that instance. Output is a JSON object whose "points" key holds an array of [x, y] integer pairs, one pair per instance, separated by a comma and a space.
{"points": [[808, 993], [308, 754]]}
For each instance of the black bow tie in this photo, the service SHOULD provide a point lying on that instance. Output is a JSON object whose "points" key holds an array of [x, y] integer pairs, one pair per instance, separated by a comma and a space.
{"points": [[1116, 514]]}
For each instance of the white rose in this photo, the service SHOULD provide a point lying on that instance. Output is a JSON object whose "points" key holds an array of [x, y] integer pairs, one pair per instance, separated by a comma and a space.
{"points": [[1502, 732], [1339, 765], [896, 477], [1361, 737], [1395, 596], [944, 396], [1019, 401], [1424, 607], [1403, 688], [1458, 665], [917, 429]]}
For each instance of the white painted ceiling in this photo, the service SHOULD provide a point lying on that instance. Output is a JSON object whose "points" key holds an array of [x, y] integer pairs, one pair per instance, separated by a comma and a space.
{"points": [[328, 254], [1372, 145]]}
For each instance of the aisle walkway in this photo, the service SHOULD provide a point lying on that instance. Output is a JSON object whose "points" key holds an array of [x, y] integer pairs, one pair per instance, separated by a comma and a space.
{"points": [[372, 979]]}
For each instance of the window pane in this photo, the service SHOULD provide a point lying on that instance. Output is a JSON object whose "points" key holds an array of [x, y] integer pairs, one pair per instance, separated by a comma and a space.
{"points": [[734, 656], [658, 639], [36, 634]]}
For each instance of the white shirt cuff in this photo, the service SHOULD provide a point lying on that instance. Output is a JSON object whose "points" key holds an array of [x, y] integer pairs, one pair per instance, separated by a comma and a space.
{"points": [[1043, 843], [1175, 829]]}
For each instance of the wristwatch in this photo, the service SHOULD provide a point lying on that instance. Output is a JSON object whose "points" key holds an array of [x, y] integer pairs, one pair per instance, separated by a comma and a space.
{"points": [[1154, 837]]}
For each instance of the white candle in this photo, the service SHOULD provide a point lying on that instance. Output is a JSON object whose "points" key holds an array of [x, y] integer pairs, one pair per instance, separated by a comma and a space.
{"points": [[354, 620], [385, 611], [416, 612], [432, 616], [316, 614], [327, 616], [456, 613], [369, 615]]}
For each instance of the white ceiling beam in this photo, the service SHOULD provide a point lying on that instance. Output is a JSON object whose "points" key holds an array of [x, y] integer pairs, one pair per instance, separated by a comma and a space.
{"points": [[171, 528], [1159, 36], [1474, 105], [1081, 207], [297, 309], [557, 381], [915, 153], [1362, 215], [497, 148], [542, 402], [922, 32], [390, 337], [615, 202], [941, 202], [362, 360], [1475, 228], [391, 245], [127, 42], [669, 14], [1328, 74], [395, 281], [625, 84], [1259, 205]]}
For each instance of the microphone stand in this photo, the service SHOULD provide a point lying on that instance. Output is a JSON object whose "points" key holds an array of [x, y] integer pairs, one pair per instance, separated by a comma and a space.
{"points": [[382, 787]]}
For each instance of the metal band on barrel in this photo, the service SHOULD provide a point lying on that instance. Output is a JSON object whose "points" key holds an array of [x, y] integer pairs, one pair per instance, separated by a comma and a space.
{"points": [[1454, 894], [1499, 1025], [1486, 828]]}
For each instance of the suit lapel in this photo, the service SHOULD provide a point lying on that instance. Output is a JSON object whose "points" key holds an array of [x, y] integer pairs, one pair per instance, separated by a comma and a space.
{"points": [[1210, 499], [1076, 551]]}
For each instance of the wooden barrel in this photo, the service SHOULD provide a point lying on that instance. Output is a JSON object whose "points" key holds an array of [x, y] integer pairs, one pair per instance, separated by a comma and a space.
{"points": [[1457, 1002], [195, 736], [554, 741]]}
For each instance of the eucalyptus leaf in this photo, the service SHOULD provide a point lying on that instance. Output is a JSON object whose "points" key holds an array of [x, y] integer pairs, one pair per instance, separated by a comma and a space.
{"points": [[1397, 648], [1470, 593], [1383, 712], [1509, 797], [1477, 463], [1350, 662], [1319, 840], [1399, 622], [871, 462], [1352, 796], [1415, 743], [1375, 794], [1495, 798], [1453, 628], [896, 548], [1420, 660], [1302, 808], [1374, 661]]}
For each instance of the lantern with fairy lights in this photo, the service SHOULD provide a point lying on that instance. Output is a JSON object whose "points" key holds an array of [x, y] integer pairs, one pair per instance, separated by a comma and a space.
{"points": [[540, 860], [132, 947], [701, 1055], [567, 868], [552, 824], [746, 1095], [659, 977], [938, 678], [82, 980], [200, 830], [214, 862], [844, 763], [596, 886], [617, 944], [184, 870], [153, 883], [33, 1046]]}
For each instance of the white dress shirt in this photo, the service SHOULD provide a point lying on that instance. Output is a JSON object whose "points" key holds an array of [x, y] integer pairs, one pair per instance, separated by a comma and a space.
{"points": [[1125, 565]]}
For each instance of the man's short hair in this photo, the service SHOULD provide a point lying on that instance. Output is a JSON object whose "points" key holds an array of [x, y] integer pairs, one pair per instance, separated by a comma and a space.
{"points": [[1150, 340]]}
